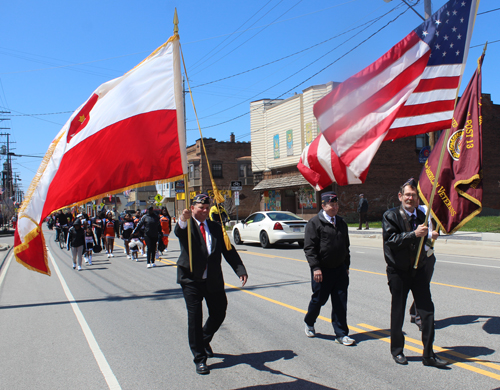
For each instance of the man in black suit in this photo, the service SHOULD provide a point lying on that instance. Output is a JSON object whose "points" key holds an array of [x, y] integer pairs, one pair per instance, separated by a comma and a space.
{"points": [[402, 230], [205, 279]]}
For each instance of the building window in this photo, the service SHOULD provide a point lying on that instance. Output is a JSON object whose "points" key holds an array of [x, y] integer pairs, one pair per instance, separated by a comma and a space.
{"points": [[217, 170], [422, 140], [245, 170]]}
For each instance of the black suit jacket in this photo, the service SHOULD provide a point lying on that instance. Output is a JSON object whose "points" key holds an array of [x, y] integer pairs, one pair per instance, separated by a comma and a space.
{"points": [[202, 259], [400, 246]]}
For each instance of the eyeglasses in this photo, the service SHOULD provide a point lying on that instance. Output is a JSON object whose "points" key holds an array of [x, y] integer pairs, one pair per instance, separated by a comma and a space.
{"points": [[410, 195]]}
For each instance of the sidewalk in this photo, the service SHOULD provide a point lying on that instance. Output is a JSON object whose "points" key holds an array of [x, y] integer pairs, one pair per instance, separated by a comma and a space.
{"points": [[6, 246], [461, 243]]}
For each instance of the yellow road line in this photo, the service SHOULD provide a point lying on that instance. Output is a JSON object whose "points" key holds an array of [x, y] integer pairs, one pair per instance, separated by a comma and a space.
{"points": [[445, 351], [375, 273], [386, 338]]}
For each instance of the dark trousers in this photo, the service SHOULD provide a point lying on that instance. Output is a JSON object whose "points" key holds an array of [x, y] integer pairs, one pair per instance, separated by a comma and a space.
{"points": [[334, 286], [400, 283], [429, 270], [151, 245], [362, 219], [201, 336]]}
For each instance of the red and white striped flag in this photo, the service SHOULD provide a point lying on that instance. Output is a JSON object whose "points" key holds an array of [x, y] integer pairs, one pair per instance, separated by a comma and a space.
{"points": [[141, 116], [321, 167], [410, 90]]}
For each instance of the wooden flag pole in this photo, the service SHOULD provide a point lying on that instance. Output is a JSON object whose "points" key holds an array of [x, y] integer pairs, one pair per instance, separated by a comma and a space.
{"points": [[217, 196], [185, 176]]}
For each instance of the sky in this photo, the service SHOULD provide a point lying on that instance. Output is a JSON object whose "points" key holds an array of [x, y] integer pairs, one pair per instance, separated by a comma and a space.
{"points": [[54, 54]]}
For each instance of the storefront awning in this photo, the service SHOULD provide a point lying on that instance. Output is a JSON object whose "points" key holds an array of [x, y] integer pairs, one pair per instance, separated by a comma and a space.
{"points": [[282, 182]]}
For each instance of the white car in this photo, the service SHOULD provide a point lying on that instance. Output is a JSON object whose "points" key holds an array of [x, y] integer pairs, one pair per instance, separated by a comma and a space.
{"points": [[270, 227]]}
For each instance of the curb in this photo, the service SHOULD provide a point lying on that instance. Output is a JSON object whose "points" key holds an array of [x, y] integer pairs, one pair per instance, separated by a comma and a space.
{"points": [[441, 240], [7, 253]]}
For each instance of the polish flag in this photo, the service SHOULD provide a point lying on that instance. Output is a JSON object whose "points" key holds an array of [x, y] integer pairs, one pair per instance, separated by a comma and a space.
{"points": [[129, 133], [321, 167]]}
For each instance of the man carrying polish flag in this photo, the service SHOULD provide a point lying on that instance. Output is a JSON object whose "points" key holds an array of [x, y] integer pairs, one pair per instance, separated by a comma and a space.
{"points": [[146, 102]]}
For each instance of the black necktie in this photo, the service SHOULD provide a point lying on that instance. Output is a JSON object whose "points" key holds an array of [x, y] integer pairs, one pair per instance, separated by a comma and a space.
{"points": [[413, 222]]}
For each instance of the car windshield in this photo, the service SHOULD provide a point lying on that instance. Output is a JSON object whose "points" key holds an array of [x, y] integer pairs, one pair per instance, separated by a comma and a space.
{"points": [[283, 217]]}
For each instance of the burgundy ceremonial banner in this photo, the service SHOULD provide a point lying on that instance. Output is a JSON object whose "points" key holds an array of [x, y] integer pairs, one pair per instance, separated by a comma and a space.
{"points": [[459, 191]]}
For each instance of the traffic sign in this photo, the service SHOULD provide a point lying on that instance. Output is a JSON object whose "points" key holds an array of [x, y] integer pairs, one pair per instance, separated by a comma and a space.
{"points": [[158, 198], [236, 185], [236, 198]]}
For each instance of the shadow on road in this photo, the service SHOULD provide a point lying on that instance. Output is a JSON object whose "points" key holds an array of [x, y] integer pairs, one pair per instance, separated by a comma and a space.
{"points": [[258, 361], [491, 324], [174, 293]]}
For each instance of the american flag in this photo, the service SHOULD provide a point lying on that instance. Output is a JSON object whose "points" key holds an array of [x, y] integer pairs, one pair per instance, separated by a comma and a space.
{"points": [[321, 167], [410, 90]]}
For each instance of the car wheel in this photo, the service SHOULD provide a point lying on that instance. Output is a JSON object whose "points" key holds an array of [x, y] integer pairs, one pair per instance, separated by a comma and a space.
{"points": [[301, 244], [237, 237], [264, 240]]}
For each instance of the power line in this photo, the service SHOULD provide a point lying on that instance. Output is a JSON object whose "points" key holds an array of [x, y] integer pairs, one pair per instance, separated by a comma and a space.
{"points": [[253, 36], [284, 58], [235, 32], [246, 113]]}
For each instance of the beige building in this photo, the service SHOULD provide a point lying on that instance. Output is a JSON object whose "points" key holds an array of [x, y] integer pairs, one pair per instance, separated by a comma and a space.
{"points": [[280, 130]]}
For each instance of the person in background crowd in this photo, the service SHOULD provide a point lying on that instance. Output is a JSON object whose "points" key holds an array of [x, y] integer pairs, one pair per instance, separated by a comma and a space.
{"points": [[134, 245], [98, 226], [402, 229], [166, 226], [110, 232], [362, 210], [89, 245], [76, 242], [140, 232], [217, 212], [126, 229], [326, 245], [152, 228]]}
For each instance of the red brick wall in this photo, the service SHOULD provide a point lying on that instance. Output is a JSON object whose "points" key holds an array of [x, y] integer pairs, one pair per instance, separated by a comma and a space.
{"points": [[397, 161]]}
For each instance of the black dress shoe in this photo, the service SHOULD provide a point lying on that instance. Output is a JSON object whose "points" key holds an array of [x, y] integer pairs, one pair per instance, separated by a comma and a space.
{"points": [[209, 352], [400, 359], [434, 361], [202, 368]]}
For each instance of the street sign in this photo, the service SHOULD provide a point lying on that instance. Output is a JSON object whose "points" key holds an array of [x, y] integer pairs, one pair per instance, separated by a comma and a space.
{"points": [[236, 185], [236, 198], [158, 198]]}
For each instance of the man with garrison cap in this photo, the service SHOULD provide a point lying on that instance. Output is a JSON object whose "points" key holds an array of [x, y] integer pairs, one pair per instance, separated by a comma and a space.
{"points": [[326, 245], [205, 279], [402, 229]]}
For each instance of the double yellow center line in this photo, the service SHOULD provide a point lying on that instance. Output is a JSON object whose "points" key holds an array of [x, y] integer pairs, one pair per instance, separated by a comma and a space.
{"points": [[382, 334]]}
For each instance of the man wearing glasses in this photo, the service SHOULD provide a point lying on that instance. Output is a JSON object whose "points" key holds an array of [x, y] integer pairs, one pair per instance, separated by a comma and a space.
{"points": [[402, 230]]}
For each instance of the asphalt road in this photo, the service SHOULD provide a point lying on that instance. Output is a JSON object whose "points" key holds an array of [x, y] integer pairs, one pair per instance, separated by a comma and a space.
{"points": [[118, 324]]}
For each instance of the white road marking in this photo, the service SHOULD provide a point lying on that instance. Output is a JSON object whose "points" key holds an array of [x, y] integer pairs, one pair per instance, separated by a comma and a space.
{"points": [[5, 268], [96, 350], [474, 265]]}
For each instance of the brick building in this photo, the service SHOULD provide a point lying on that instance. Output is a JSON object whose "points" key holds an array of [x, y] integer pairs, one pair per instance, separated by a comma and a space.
{"points": [[282, 187], [229, 161]]}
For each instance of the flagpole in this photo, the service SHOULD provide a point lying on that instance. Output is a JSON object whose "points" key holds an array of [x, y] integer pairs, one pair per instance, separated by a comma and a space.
{"points": [[185, 176], [438, 171], [217, 196]]}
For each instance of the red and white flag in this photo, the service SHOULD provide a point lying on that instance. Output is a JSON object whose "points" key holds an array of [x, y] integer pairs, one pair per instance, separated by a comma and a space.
{"points": [[321, 167], [410, 90], [129, 133]]}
